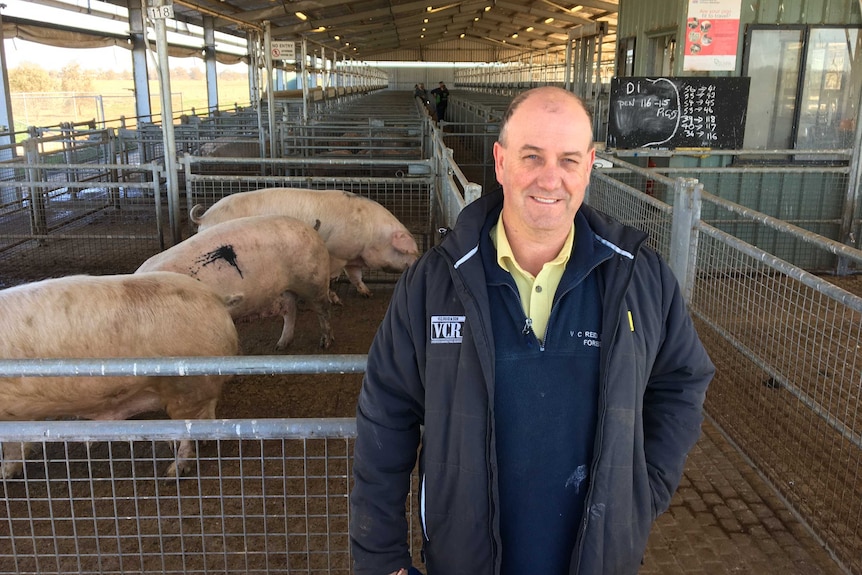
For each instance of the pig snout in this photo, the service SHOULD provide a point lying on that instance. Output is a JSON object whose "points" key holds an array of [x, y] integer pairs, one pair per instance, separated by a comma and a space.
{"points": [[399, 262], [403, 252]]}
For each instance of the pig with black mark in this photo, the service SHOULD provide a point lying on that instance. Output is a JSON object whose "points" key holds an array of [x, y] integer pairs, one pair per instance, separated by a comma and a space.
{"points": [[358, 232], [264, 262]]}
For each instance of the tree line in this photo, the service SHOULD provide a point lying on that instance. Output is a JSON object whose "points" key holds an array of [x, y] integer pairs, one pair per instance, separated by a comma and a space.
{"points": [[31, 77]]}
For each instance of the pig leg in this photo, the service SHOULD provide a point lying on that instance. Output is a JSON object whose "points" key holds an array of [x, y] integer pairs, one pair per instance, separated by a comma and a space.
{"points": [[14, 454], [321, 307], [326, 338], [354, 274], [335, 267], [287, 305], [182, 462], [200, 404]]}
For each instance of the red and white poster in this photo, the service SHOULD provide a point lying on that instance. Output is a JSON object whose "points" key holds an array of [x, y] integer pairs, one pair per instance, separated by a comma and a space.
{"points": [[711, 35]]}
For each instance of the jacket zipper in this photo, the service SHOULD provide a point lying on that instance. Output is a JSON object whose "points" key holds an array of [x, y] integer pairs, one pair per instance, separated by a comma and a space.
{"points": [[579, 541]]}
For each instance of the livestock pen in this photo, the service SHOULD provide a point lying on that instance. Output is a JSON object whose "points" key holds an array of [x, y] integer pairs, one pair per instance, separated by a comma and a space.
{"points": [[148, 533], [786, 342], [273, 476]]}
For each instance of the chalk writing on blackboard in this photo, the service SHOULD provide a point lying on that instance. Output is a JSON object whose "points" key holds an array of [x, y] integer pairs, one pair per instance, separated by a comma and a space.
{"points": [[666, 113]]}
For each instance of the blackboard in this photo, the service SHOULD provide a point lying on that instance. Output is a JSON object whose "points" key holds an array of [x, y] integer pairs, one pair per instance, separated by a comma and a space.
{"points": [[670, 113]]}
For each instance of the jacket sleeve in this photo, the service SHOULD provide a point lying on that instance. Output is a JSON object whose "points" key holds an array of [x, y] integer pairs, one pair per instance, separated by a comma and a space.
{"points": [[674, 395], [388, 418]]}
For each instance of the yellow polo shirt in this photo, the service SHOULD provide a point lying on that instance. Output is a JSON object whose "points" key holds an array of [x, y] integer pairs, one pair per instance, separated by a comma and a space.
{"points": [[537, 293]]}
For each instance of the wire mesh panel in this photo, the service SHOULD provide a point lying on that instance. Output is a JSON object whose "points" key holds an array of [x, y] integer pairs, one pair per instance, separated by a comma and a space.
{"points": [[473, 148], [406, 192], [810, 198], [195, 135], [631, 207], [381, 139], [787, 349], [268, 496], [65, 219]]}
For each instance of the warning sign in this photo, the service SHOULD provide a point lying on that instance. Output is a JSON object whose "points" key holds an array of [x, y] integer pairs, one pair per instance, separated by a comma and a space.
{"points": [[283, 50]]}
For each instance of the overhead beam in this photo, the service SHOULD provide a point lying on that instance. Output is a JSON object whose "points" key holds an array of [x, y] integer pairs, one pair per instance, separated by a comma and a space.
{"points": [[281, 9], [543, 14], [600, 5], [219, 15]]}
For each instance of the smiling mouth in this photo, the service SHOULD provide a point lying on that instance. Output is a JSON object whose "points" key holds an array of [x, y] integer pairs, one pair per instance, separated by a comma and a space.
{"points": [[545, 200]]}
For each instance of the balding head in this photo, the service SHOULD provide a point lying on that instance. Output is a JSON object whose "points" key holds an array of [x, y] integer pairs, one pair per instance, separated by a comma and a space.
{"points": [[552, 98]]}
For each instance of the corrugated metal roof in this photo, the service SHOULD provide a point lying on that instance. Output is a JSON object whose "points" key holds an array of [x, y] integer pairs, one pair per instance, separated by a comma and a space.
{"points": [[367, 29]]}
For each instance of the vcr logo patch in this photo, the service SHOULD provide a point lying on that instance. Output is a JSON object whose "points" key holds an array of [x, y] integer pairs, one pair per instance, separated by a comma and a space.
{"points": [[447, 328]]}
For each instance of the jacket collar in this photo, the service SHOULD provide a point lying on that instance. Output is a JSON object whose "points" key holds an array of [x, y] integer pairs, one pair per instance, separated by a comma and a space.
{"points": [[462, 243]]}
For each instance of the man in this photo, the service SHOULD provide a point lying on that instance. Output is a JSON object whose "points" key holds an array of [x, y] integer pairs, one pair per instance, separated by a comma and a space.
{"points": [[441, 100], [545, 357], [420, 92]]}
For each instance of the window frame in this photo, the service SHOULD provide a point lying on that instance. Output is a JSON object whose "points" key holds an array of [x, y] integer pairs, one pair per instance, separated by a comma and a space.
{"points": [[802, 73]]}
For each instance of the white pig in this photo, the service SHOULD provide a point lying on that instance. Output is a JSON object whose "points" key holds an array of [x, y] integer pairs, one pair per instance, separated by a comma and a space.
{"points": [[157, 314], [267, 261], [358, 232]]}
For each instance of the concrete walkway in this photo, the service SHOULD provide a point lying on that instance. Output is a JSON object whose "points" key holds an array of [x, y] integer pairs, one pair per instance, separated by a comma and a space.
{"points": [[725, 519]]}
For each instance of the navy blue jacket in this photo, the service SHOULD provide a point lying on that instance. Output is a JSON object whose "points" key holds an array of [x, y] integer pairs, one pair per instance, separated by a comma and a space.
{"points": [[430, 377]]}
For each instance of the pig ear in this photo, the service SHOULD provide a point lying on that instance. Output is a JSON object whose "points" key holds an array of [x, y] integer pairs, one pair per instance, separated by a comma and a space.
{"points": [[404, 242], [233, 300]]}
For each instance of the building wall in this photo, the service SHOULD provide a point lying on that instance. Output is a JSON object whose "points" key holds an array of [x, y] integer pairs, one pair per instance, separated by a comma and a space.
{"points": [[644, 19], [456, 50]]}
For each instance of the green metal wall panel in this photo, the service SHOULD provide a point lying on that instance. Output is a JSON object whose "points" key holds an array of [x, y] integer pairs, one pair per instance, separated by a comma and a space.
{"points": [[803, 12], [766, 11], [643, 18], [791, 11]]}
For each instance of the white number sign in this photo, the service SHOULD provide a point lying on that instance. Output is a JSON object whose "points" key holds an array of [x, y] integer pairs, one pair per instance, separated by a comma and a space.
{"points": [[160, 12]]}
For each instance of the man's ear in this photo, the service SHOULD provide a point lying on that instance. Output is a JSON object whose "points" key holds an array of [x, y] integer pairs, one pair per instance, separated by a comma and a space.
{"points": [[499, 152]]}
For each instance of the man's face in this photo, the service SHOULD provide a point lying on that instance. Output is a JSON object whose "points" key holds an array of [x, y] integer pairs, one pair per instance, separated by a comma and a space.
{"points": [[545, 165]]}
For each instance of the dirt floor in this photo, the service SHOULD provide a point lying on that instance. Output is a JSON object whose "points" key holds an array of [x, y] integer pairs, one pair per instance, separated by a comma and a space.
{"points": [[315, 395]]}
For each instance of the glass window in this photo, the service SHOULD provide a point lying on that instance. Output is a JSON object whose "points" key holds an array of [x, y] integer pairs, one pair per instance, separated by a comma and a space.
{"points": [[830, 89], [773, 66], [660, 55], [805, 86], [626, 57]]}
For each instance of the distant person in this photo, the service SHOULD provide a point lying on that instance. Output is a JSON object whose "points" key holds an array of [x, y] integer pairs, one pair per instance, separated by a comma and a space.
{"points": [[542, 363], [420, 92], [441, 100]]}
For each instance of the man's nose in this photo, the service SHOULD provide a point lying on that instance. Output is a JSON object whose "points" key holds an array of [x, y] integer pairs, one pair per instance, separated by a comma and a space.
{"points": [[549, 177]]}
